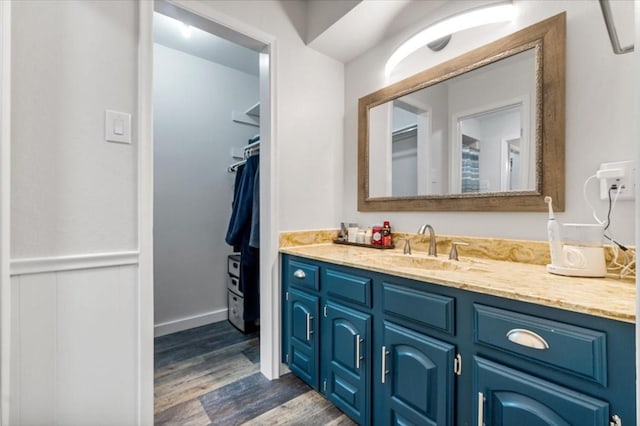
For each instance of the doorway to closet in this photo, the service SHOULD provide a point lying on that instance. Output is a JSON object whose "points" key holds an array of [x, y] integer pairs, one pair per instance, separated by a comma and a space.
{"points": [[207, 85]]}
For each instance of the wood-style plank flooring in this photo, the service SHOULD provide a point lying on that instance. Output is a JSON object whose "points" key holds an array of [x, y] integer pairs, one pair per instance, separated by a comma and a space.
{"points": [[210, 375]]}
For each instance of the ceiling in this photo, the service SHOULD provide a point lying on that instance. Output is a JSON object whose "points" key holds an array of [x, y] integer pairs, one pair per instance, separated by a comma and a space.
{"points": [[167, 31], [362, 25], [341, 29]]}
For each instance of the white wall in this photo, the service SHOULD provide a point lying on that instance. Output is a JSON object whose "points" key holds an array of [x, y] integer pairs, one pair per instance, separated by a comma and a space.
{"points": [[309, 116], [511, 80], [433, 150], [74, 314], [380, 173], [491, 130], [403, 118], [599, 108], [404, 166], [193, 140], [71, 191]]}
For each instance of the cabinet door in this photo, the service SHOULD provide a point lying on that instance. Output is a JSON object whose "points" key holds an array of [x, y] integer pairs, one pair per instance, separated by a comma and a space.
{"points": [[418, 378], [346, 353], [303, 336], [505, 396]]}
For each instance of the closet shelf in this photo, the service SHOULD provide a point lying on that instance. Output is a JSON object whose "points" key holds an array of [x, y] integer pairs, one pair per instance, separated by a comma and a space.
{"points": [[254, 111], [241, 117], [250, 116]]}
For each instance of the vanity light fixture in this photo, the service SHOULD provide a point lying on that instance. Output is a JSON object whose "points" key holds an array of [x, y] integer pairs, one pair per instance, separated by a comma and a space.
{"points": [[442, 30], [186, 30]]}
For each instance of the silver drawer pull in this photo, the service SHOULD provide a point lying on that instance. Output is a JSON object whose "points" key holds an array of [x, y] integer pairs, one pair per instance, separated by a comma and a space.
{"points": [[527, 338], [309, 332], [385, 352], [299, 273], [358, 356], [480, 409]]}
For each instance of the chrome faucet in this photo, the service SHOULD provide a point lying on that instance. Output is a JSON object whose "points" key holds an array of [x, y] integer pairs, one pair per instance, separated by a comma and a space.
{"points": [[432, 238]]}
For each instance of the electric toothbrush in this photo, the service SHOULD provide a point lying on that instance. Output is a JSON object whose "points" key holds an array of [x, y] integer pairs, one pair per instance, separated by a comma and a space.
{"points": [[553, 233]]}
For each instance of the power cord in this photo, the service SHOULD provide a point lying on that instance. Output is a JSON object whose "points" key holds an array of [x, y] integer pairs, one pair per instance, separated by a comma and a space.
{"points": [[628, 264], [612, 205], [586, 199]]}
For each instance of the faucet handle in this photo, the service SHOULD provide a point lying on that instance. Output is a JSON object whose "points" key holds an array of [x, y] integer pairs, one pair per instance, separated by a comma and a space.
{"points": [[407, 247], [453, 254]]}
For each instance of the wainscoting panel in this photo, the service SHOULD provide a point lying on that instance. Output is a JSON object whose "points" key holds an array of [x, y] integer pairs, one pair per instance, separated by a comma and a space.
{"points": [[75, 357], [36, 346]]}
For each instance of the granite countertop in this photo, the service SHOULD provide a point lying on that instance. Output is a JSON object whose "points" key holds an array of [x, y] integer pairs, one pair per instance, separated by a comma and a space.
{"points": [[603, 297]]}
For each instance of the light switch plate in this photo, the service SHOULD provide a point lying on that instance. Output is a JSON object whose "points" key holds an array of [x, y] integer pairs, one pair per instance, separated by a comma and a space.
{"points": [[117, 126]]}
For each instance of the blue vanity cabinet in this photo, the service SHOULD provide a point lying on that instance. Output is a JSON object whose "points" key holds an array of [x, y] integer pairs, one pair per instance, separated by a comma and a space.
{"points": [[417, 377], [506, 396], [388, 350], [346, 358], [303, 336], [544, 366]]}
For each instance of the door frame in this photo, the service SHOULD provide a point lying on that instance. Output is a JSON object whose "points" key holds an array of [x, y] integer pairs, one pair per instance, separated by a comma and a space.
{"points": [[270, 329], [5, 226]]}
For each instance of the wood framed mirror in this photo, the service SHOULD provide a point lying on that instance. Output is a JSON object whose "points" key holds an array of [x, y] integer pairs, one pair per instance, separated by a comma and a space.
{"points": [[481, 132]]}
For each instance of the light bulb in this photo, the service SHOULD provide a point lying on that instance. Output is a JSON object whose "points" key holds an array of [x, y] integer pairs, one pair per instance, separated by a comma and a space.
{"points": [[456, 23], [186, 30]]}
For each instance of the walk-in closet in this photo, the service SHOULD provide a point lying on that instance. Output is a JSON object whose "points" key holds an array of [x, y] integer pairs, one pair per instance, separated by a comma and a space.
{"points": [[206, 101]]}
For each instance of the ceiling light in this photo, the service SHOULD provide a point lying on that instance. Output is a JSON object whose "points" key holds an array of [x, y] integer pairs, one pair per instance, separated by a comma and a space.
{"points": [[186, 30], [448, 26]]}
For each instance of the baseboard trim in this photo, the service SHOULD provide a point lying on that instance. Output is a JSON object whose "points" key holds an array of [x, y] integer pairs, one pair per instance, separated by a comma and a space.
{"points": [[190, 322], [69, 263]]}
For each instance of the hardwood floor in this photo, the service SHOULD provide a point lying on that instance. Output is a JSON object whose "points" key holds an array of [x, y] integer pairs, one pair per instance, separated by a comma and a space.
{"points": [[210, 375]]}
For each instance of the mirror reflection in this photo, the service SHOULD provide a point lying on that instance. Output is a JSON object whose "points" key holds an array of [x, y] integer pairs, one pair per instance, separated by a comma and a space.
{"points": [[474, 133]]}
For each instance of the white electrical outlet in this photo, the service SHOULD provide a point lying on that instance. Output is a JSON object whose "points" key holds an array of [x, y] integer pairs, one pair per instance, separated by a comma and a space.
{"points": [[627, 181]]}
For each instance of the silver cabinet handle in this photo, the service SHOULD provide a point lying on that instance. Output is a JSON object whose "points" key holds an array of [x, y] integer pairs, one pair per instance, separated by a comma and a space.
{"points": [[299, 273], [527, 338], [480, 409], [385, 352], [358, 357], [309, 332]]}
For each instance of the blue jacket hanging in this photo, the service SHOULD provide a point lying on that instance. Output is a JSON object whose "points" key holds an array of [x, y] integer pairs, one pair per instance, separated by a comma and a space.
{"points": [[239, 235], [243, 203]]}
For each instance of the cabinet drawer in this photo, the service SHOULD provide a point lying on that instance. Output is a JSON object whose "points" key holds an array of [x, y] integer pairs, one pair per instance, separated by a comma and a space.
{"points": [[420, 307], [348, 287], [233, 265], [575, 350], [303, 275]]}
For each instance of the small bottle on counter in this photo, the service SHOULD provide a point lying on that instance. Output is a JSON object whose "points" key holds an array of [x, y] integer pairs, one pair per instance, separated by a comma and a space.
{"points": [[367, 236], [352, 232], [376, 235], [386, 234]]}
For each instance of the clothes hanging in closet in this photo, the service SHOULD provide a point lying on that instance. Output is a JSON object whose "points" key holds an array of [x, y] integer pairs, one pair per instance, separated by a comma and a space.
{"points": [[239, 235], [236, 188]]}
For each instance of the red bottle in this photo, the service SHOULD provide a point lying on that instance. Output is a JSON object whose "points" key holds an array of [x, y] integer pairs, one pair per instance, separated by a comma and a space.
{"points": [[386, 234]]}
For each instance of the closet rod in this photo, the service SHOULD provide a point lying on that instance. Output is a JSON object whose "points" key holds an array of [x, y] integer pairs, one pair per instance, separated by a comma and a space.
{"points": [[251, 149], [234, 167]]}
